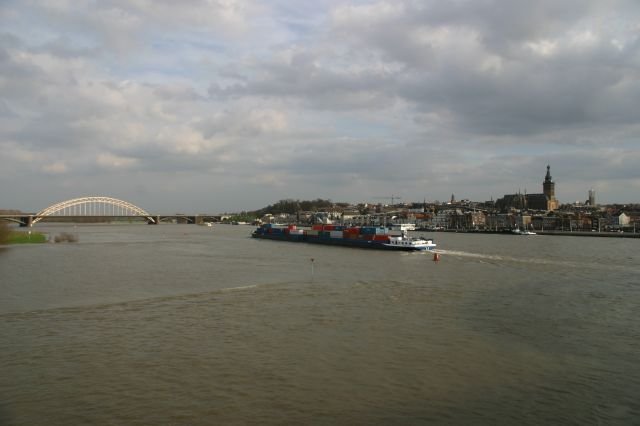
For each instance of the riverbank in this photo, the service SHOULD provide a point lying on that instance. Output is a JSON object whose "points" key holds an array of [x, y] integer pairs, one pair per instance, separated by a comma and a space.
{"points": [[560, 233], [591, 234], [28, 237]]}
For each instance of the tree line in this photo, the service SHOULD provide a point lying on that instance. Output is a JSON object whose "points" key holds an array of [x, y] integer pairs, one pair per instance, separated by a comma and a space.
{"points": [[291, 206], [288, 206]]}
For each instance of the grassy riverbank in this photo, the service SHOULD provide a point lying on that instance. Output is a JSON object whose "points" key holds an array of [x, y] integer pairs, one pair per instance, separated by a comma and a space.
{"points": [[22, 237]]}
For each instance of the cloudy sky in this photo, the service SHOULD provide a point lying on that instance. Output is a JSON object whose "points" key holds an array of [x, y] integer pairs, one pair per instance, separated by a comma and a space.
{"points": [[227, 105]]}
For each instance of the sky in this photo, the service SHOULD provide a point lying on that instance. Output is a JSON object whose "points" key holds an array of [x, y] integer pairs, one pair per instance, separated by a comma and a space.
{"points": [[229, 105]]}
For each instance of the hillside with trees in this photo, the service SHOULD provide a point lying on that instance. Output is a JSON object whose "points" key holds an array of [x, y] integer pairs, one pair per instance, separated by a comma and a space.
{"points": [[291, 206], [288, 206]]}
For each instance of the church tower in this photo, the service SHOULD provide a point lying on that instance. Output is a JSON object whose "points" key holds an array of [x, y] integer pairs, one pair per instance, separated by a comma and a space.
{"points": [[549, 190], [548, 186]]}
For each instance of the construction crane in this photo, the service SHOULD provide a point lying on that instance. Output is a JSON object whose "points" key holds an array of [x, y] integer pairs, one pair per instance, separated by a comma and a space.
{"points": [[391, 197]]}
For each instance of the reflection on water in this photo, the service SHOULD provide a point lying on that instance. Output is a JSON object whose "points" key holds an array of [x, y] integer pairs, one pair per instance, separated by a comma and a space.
{"points": [[196, 325]]}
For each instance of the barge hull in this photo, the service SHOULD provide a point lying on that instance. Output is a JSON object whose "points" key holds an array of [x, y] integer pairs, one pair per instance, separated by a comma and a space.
{"points": [[342, 242]]}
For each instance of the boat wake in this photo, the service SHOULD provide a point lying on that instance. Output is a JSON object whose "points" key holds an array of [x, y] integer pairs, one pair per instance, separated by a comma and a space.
{"points": [[474, 255], [496, 258], [501, 258]]}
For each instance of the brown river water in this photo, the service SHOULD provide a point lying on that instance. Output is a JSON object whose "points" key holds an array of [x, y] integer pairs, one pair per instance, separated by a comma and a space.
{"points": [[192, 325]]}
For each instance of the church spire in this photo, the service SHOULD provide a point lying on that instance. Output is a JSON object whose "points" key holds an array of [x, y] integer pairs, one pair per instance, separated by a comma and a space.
{"points": [[548, 186]]}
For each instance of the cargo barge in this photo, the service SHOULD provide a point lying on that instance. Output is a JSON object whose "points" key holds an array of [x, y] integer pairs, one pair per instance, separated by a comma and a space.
{"points": [[346, 236]]}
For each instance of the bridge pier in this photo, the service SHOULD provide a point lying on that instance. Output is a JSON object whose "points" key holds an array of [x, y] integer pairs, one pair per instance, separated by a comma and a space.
{"points": [[155, 221], [26, 221]]}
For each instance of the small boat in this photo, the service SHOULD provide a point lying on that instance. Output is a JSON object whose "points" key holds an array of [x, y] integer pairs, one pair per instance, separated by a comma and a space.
{"points": [[518, 231], [403, 242], [403, 227]]}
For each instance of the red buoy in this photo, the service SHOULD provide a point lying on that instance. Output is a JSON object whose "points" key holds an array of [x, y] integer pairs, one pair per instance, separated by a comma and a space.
{"points": [[436, 257]]}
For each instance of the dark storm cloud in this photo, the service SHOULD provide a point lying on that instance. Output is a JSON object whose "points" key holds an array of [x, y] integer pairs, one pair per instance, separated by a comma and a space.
{"points": [[534, 95]]}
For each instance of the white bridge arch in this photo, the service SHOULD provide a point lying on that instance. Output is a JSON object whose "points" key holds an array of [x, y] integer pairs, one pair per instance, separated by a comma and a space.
{"points": [[93, 206]]}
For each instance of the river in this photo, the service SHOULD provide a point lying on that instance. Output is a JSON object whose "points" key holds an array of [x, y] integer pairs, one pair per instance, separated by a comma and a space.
{"points": [[193, 325]]}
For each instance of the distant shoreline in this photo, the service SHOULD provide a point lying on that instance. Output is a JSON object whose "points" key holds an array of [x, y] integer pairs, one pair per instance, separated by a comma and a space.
{"points": [[555, 233]]}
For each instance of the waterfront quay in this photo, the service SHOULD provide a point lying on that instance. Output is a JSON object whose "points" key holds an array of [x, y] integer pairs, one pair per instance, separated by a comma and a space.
{"points": [[553, 232]]}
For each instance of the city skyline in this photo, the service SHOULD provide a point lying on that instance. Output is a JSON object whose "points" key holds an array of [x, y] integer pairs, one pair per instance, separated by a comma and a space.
{"points": [[233, 105]]}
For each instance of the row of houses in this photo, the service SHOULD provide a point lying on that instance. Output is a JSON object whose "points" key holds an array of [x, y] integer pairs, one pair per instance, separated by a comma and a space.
{"points": [[564, 221], [463, 219]]}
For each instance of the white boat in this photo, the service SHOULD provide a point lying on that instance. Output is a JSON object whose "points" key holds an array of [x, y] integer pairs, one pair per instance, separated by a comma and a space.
{"points": [[517, 231], [403, 227], [403, 242]]}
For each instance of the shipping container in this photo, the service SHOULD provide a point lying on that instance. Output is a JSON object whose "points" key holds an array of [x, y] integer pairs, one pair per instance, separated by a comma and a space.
{"points": [[373, 230], [368, 230], [372, 237], [335, 234]]}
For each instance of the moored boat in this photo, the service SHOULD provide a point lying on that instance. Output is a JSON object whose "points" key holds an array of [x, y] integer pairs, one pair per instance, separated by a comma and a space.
{"points": [[403, 227], [519, 231], [339, 235]]}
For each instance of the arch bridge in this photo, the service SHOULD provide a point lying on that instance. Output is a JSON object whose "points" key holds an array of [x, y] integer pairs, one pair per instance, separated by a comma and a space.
{"points": [[103, 207], [93, 206]]}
